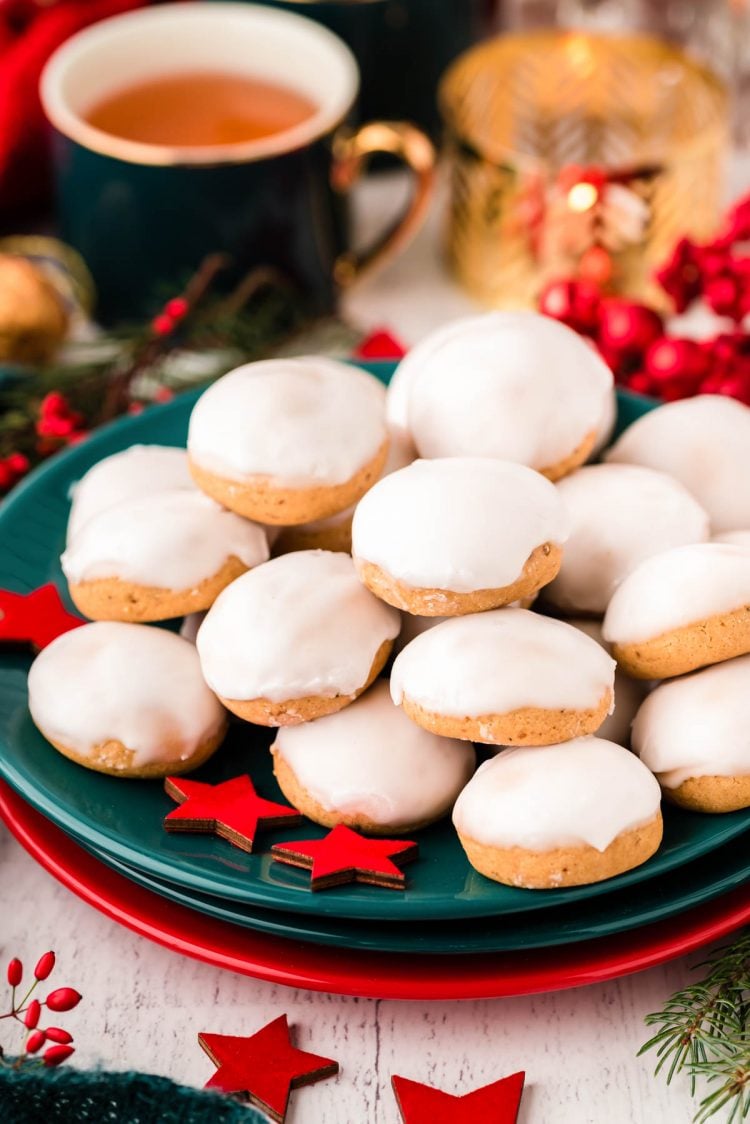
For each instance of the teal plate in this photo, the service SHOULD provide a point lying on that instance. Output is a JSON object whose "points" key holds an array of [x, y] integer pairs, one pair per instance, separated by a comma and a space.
{"points": [[124, 818], [698, 882]]}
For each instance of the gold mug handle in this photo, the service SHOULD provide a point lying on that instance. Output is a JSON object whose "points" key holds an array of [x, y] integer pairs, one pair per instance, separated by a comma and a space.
{"points": [[351, 151]]}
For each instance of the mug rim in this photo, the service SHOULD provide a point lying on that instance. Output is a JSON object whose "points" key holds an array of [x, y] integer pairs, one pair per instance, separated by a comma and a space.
{"points": [[72, 125]]}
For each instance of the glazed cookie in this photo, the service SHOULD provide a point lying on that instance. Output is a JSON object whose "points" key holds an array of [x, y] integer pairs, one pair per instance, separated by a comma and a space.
{"points": [[629, 693], [620, 514], [734, 538], [138, 471], [286, 441], [694, 734], [297, 638], [513, 385], [681, 610], [458, 535], [703, 442], [606, 426], [359, 768], [159, 556], [507, 677], [125, 699], [335, 532], [564, 815]]}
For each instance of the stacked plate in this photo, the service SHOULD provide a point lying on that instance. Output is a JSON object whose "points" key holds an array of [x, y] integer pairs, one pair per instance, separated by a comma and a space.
{"points": [[451, 933]]}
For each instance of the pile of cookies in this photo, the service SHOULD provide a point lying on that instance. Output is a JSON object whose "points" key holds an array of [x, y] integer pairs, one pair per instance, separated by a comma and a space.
{"points": [[529, 598]]}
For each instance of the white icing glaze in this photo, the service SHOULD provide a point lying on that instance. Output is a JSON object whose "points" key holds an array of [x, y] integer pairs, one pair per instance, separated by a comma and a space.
{"points": [[370, 760], [629, 693], [734, 538], [620, 514], [140, 470], [400, 453], [305, 422], [496, 662], [512, 385], [607, 424], [300, 625], [460, 523], [703, 442], [697, 726], [131, 683], [677, 588], [586, 791], [171, 540]]}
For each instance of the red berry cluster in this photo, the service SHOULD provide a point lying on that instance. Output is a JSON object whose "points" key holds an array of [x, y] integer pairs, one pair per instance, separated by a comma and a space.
{"points": [[12, 468], [174, 311], [632, 339], [58, 423], [28, 1011]]}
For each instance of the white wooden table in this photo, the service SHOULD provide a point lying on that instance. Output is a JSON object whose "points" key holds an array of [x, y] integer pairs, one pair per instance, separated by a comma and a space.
{"points": [[144, 1005]]}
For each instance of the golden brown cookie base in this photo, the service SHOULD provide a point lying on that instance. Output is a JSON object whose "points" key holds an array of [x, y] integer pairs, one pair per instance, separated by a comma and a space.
{"points": [[711, 794], [565, 866], [293, 712], [114, 758], [300, 798], [111, 599], [540, 568], [337, 538], [529, 725], [260, 499], [578, 457], [686, 649]]}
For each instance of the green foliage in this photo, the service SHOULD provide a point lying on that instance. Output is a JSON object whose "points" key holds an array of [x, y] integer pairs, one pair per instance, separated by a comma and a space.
{"points": [[704, 1030]]}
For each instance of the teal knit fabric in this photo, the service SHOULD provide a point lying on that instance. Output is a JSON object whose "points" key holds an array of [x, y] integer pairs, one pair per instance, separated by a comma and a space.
{"points": [[33, 1095]]}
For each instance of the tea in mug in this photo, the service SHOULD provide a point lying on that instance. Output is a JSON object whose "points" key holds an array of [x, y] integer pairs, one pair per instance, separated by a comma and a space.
{"points": [[200, 110]]}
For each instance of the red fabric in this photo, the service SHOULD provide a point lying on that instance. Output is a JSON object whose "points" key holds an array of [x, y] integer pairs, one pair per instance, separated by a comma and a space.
{"points": [[30, 30]]}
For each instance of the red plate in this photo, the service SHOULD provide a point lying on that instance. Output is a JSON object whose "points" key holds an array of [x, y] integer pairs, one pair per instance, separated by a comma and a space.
{"points": [[378, 976]]}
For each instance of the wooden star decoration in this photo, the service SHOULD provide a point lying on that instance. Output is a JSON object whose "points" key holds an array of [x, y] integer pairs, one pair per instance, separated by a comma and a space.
{"points": [[492, 1104], [35, 618], [232, 810], [346, 856], [265, 1067]]}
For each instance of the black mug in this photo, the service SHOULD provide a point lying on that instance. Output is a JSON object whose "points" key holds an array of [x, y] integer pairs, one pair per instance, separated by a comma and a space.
{"points": [[144, 216]]}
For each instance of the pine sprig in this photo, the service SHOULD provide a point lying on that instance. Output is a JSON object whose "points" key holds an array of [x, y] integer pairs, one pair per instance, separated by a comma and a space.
{"points": [[704, 1030]]}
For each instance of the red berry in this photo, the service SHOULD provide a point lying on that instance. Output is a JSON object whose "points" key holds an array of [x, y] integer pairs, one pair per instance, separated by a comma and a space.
{"points": [[163, 394], [639, 383], [677, 366], [162, 325], [177, 308], [627, 327], [57, 1034], [55, 404], [575, 303], [35, 1041], [45, 964], [54, 1055], [6, 477], [18, 463], [33, 1011], [15, 972], [63, 999]]}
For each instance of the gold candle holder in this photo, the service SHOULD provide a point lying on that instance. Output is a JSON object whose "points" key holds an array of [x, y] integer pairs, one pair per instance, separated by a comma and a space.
{"points": [[574, 154]]}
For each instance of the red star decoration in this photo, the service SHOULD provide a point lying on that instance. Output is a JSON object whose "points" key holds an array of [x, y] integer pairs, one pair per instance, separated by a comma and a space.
{"points": [[232, 809], [492, 1104], [35, 618], [345, 856], [264, 1067]]}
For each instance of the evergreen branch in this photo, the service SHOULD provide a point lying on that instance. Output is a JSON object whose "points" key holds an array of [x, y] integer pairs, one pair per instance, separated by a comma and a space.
{"points": [[704, 1030]]}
